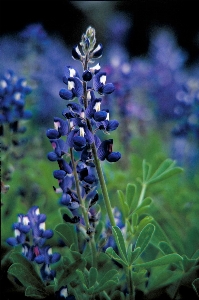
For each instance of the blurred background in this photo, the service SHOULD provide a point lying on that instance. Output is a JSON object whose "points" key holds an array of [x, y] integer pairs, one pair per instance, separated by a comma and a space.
{"points": [[68, 19], [151, 54]]}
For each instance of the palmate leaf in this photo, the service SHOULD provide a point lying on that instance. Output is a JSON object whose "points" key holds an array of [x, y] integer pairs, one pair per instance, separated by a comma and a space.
{"points": [[145, 205], [111, 253], [94, 286], [164, 171]]}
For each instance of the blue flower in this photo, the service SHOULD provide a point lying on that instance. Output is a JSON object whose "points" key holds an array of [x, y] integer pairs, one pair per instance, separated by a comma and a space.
{"points": [[76, 54], [75, 89], [97, 52], [99, 84], [13, 92], [104, 151], [62, 294], [30, 232]]}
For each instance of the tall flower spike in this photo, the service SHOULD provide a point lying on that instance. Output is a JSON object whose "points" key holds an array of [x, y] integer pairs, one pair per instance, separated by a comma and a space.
{"points": [[85, 147]]}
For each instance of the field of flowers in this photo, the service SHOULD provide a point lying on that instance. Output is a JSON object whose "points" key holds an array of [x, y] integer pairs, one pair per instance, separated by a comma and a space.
{"points": [[99, 168]]}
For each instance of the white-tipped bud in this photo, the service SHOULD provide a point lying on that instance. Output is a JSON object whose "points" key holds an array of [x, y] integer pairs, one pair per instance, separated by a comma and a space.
{"points": [[42, 226], [81, 131], [97, 106], [37, 212], [71, 85]]}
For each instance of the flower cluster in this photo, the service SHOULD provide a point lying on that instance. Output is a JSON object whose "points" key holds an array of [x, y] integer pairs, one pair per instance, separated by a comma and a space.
{"points": [[13, 91], [84, 117], [187, 109], [30, 232]]}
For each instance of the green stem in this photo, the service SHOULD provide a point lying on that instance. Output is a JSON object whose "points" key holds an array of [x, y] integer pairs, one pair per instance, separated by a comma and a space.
{"points": [[103, 185], [93, 251], [130, 283], [106, 296], [142, 194]]}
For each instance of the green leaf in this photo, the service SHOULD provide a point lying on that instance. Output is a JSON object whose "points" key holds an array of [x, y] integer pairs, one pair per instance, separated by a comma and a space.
{"points": [[131, 197], [134, 219], [123, 205], [188, 263], [139, 277], [35, 293], [161, 277], [26, 277], [159, 235], [104, 263], [196, 254], [69, 274], [145, 203], [106, 286], [164, 260], [120, 242], [92, 276], [98, 230], [81, 276], [117, 295], [20, 259], [165, 165], [146, 170], [133, 255], [145, 237], [90, 291], [68, 233], [165, 248], [65, 210], [165, 175], [145, 221], [111, 274], [113, 254], [165, 170]]}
